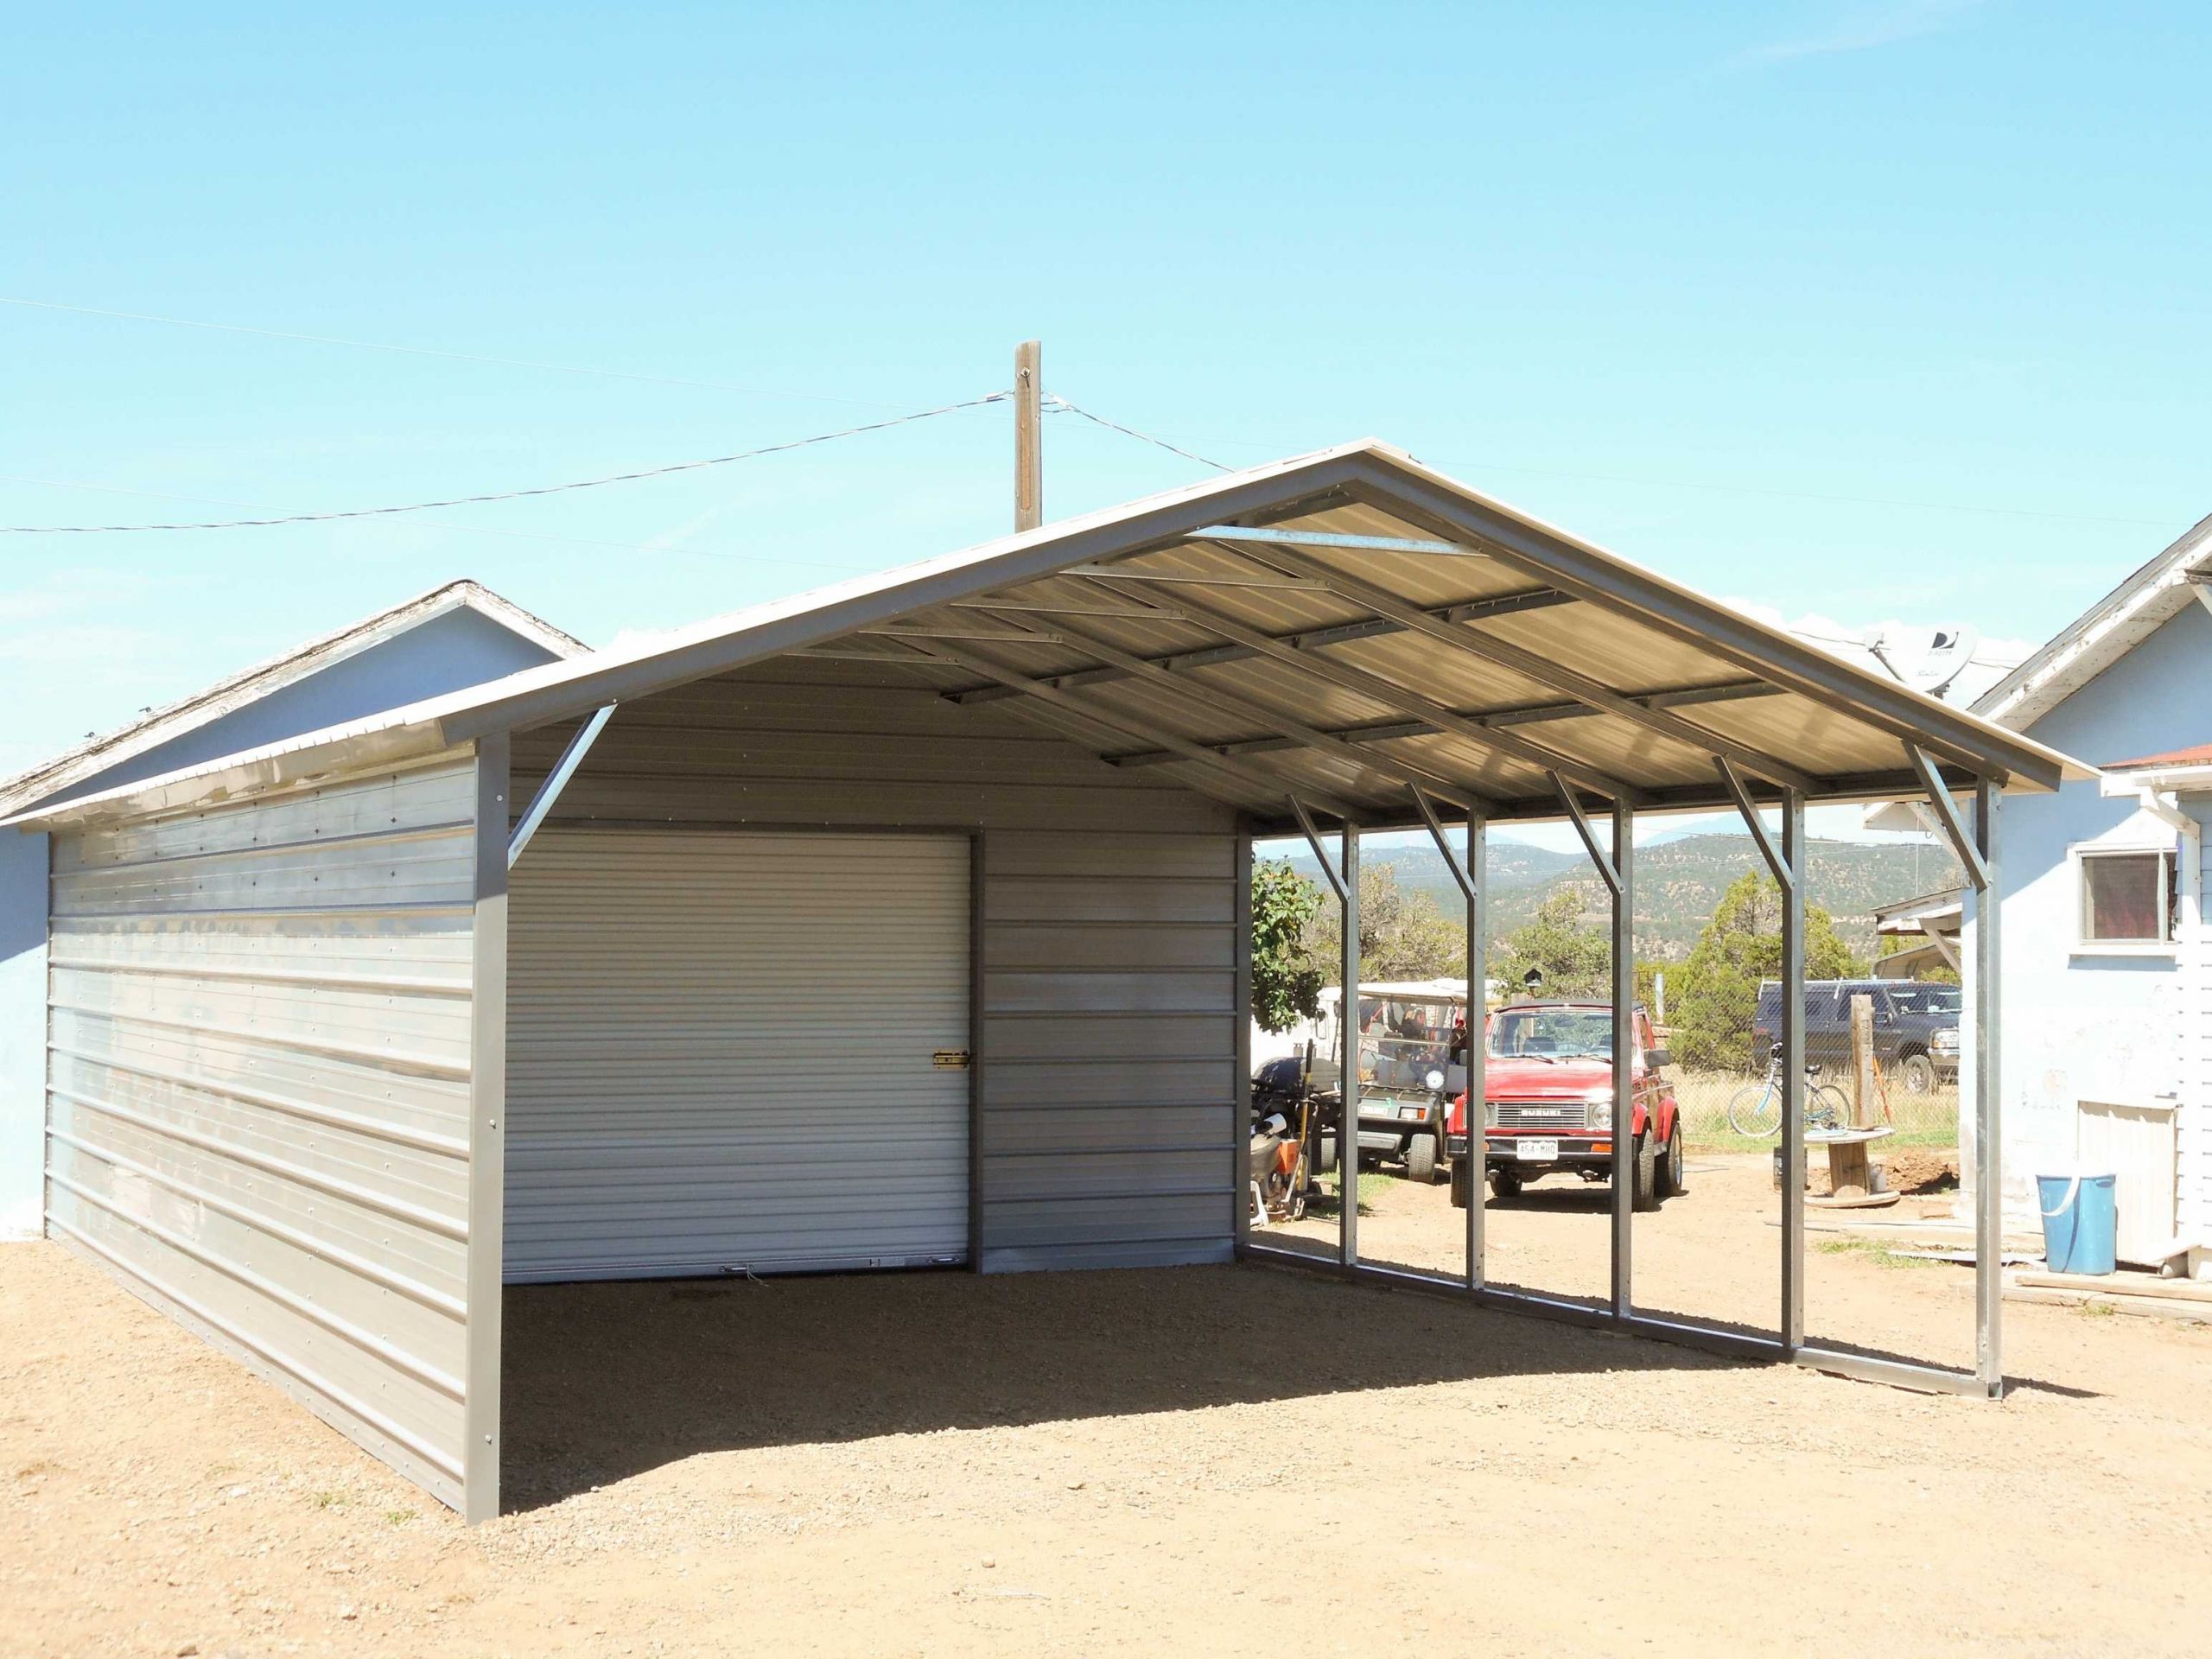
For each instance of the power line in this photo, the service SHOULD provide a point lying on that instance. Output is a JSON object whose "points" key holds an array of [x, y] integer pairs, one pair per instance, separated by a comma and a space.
{"points": [[749, 556], [427, 351], [1060, 403], [512, 495]]}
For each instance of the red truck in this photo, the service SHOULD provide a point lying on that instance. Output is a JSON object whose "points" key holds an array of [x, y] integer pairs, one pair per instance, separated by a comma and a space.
{"points": [[1548, 1083]]}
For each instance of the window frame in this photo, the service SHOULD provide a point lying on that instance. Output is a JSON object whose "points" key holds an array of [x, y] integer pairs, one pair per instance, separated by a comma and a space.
{"points": [[2163, 945]]}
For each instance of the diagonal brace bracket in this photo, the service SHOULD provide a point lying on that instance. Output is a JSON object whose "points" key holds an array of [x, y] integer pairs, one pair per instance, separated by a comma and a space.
{"points": [[1947, 811], [1607, 870], [1313, 840], [1785, 876], [556, 780], [1463, 876]]}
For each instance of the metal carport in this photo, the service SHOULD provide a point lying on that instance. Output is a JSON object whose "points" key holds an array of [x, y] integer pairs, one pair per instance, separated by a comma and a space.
{"points": [[281, 1102]]}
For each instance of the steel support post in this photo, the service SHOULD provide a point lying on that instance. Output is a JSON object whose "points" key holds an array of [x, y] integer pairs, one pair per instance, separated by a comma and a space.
{"points": [[1348, 1059], [1624, 1056], [1988, 1108], [1793, 1073], [1478, 1116]]}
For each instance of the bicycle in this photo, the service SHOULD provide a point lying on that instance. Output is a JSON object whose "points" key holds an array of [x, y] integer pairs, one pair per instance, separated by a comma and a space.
{"points": [[1755, 1110]]}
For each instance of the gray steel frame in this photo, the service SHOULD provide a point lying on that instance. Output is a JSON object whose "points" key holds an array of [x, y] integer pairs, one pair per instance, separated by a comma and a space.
{"points": [[1785, 856]]}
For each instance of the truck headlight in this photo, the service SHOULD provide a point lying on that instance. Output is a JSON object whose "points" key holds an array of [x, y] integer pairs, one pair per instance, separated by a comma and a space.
{"points": [[1599, 1110], [1944, 1042]]}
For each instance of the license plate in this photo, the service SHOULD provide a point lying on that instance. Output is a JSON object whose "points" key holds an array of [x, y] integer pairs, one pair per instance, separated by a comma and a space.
{"points": [[1530, 1150]]}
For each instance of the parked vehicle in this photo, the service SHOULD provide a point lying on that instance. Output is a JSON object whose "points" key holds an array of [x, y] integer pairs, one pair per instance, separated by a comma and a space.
{"points": [[1411, 1039], [1551, 1104], [1915, 1027], [1412, 1036]]}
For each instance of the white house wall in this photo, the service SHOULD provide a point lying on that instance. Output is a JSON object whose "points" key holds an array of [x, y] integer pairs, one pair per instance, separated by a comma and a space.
{"points": [[2092, 1026], [258, 1103]]}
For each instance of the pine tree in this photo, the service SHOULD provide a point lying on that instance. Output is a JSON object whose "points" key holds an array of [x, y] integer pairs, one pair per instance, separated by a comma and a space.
{"points": [[1719, 986]]}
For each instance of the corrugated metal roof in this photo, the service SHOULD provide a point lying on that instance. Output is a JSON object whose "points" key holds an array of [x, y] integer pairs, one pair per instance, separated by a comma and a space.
{"points": [[1495, 652]]}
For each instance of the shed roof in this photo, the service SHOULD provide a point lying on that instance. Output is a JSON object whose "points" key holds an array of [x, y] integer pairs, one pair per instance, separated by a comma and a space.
{"points": [[100, 752], [1340, 629]]}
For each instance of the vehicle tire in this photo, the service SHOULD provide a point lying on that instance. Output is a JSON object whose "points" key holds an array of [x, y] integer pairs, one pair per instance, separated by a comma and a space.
{"points": [[1671, 1184], [1325, 1153], [1917, 1072], [1645, 1172], [1420, 1159], [1505, 1183], [1460, 1183], [1755, 1111]]}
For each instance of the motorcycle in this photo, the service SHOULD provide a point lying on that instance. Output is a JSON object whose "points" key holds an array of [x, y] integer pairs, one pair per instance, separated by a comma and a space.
{"points": [[1285, 1160]]}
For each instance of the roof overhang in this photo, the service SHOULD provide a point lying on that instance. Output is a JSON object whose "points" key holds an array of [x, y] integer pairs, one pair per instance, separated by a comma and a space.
{"points": [[2153, 595], [239, 690], [1339, 630]]}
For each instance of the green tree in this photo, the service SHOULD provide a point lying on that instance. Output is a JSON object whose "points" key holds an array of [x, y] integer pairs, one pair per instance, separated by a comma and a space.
{"points": [[1285, 980], [1714, 997], [1402, 935], [1575, 953]]}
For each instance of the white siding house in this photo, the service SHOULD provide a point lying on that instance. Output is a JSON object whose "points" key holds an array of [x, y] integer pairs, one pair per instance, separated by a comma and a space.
{"points": [[454, 636], [2106, 1054]]}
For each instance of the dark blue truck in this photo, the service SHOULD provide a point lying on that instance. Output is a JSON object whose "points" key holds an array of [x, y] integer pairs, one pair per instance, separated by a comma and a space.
{"points": [[1915, 1027]]}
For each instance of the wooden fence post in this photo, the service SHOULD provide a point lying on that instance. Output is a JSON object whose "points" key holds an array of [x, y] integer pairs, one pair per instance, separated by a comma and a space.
{"points": [[1864, 1108]]}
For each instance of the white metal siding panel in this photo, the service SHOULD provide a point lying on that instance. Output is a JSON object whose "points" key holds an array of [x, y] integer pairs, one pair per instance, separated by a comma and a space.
{"points": [[720, 1053], [1109, 1085], [1106, 1036], [259, 1039]]}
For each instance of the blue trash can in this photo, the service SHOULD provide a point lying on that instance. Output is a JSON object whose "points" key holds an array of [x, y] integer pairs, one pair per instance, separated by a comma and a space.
{"points": [[2080, 1222]]}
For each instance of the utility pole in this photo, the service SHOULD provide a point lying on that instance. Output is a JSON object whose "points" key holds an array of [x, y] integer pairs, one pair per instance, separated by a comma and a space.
{"points": [[1028, 436]]}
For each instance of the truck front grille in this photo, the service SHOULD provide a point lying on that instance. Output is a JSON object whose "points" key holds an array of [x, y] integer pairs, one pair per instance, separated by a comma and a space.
{"points": [[1538, 1115]]}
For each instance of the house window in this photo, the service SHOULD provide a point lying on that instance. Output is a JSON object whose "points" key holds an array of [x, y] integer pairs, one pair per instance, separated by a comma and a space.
{"points": [[2127, 898]]}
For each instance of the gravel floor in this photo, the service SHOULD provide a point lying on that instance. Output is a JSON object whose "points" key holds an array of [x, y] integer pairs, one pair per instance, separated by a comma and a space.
{"points": [[1202, 1461]]}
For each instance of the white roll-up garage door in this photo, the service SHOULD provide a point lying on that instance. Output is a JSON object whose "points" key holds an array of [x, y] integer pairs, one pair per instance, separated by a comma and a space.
{"points": [[727, 1053]]}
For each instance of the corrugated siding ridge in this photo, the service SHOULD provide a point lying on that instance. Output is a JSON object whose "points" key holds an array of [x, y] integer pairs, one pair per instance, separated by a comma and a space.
{"points": [[421, 1065], [397, 1209], [444, 1381], [397, 1133], [412, 1289], [344, 1400]]}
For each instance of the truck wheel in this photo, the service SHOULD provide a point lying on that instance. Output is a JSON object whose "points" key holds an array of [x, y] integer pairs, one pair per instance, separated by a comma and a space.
{"points": [[1645, 1174], [1460, 1171], [1505, 1183], [1919, 1072], [1670, 1163], [1420, 1159]]}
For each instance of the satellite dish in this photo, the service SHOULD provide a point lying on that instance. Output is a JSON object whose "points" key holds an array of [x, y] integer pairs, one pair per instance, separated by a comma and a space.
{"points": [[1949, 649]]}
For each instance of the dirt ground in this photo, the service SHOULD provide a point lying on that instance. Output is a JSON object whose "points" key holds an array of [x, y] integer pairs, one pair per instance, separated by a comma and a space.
{"points": [[1209, 1460]]}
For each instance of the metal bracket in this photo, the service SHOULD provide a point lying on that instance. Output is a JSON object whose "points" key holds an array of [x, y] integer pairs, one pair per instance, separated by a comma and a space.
{"points": [[1314, 839], [1785, 875], [556, 780], [1606, 870], [1465, 878], [1946, 809]]}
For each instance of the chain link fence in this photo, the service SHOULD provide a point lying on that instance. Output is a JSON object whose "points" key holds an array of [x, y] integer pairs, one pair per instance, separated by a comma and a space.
{"points": [[1927, 1119]]}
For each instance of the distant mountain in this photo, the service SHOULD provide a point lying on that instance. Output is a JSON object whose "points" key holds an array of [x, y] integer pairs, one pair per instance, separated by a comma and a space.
{"points": [[1678, 883]]}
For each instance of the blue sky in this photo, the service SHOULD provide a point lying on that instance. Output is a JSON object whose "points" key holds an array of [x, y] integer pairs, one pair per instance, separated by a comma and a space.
{"points": [[1858, 312]]}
